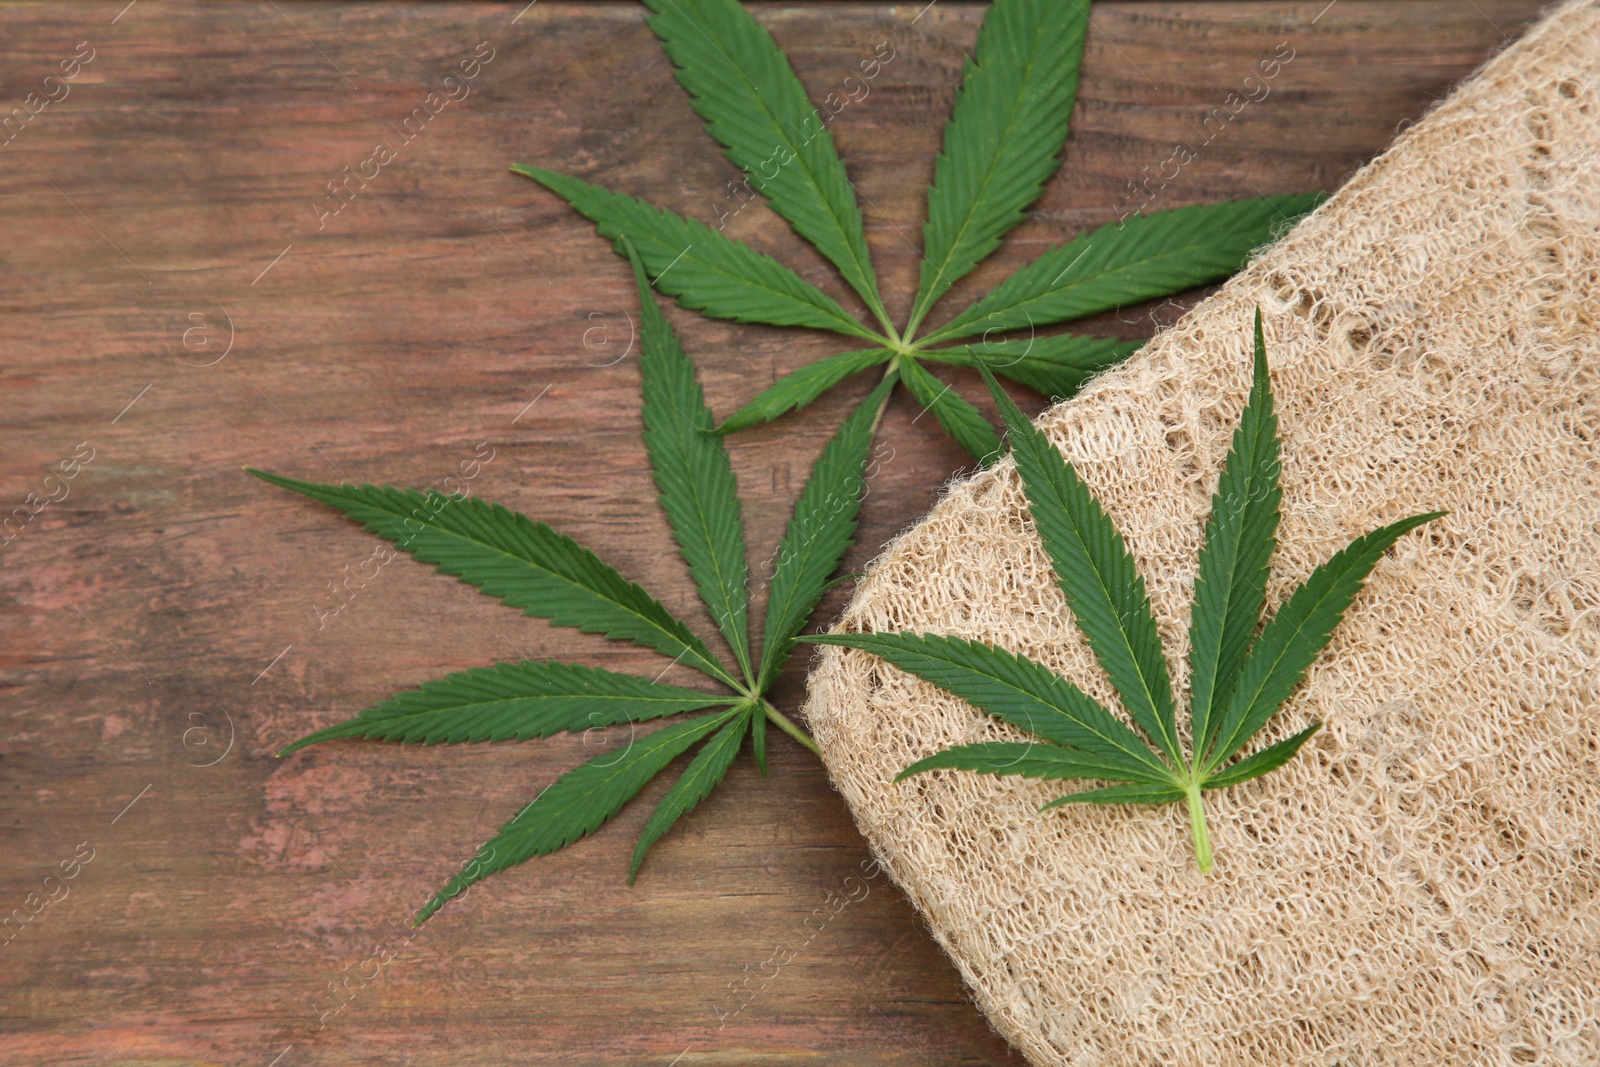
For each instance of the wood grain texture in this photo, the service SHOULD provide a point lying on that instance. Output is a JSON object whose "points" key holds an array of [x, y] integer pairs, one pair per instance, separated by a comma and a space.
{"points": [[169, 604]]}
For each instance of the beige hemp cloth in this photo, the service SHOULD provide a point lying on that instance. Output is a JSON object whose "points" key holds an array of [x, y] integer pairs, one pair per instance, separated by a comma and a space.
{"points": [[1421, 885]]}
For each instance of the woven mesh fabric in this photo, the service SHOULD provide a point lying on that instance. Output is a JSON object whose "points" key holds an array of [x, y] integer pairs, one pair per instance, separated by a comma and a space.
{"points": [[1419, 885]]}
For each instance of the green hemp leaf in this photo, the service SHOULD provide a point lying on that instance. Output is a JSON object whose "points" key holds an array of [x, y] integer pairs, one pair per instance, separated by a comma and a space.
{"points": [[1238, 678], [527, 565], [1002, 143]]}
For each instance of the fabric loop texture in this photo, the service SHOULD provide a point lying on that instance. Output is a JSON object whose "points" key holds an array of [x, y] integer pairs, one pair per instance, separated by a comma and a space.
{"points": [[1421, 884]]}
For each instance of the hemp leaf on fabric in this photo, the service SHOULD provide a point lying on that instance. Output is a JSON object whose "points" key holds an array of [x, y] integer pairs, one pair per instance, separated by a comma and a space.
{"points": [[527, 565], [1238, 678], [1001, 144]]}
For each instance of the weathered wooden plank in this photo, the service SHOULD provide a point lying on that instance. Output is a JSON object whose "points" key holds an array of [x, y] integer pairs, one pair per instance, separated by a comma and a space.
{"points": [[169, 605]]}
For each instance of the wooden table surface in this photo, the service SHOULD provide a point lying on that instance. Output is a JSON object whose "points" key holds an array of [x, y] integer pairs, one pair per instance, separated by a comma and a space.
{"points": [[176, 305]]}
